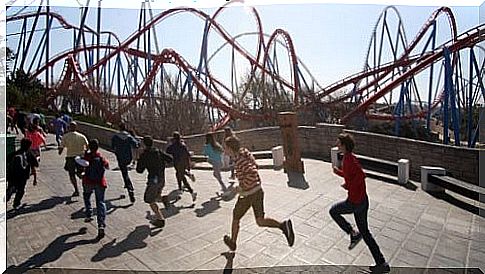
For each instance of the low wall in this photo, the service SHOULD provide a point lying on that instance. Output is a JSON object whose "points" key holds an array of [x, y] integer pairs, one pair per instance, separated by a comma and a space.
{"points": [[316, 141], [461, 162]]}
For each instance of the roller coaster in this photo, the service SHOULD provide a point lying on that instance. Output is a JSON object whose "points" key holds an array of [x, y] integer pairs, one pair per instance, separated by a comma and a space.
{"points": [[115, 79]]}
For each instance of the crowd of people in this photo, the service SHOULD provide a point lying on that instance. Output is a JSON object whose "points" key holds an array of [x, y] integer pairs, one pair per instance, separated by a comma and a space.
{"points": [[84, 160]]}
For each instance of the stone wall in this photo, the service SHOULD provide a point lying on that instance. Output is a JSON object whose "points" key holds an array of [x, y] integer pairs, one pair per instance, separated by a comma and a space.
{"points": [[316, 141], [460, 162]]}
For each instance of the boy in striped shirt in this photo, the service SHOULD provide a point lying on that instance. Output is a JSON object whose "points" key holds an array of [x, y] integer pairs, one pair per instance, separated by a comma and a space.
{"points": [[250, 194]]}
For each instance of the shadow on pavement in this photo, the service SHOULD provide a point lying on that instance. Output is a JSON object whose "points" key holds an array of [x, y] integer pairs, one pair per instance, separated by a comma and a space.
{"points": [[213, 203], [297, 180], [459, 203], [208, 207], [393, 181], [42, 205], [110, 208], [53, 251], [134, 240], [230, 259]]}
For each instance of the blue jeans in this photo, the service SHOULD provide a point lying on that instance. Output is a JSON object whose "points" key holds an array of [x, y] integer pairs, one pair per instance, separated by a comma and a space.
{"points": [[100, 205], [360, 215]]}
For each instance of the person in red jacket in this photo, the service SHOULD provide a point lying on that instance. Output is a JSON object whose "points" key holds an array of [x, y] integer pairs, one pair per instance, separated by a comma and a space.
{"points": [[357, 202]]}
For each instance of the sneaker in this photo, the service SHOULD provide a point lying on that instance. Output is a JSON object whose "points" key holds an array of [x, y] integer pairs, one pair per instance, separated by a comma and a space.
{"points": [[229, 242], [354, 240], [380, 268], [88, 219], [158, 223], [131, 194], [75, 194], [288, 231], [194, 196], [101, 233]]}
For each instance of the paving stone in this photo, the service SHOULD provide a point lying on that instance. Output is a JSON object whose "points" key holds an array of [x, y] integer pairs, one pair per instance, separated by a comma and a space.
{"points": [[452, 247], [411, 258], [336, 256], [440, 261]]}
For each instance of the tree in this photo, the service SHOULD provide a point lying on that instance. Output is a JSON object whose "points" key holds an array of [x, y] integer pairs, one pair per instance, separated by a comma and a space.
{"points": [[23, 91], [9, 56]]}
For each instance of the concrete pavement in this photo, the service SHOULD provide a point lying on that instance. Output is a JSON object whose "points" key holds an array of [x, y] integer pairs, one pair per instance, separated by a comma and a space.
{"points": [[413, 228]]}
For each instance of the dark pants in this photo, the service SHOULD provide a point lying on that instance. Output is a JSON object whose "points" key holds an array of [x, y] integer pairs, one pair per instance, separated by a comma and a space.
{"points": [[126, 178], [17, 187], [181, 179], [100, 204], [360, 215]]}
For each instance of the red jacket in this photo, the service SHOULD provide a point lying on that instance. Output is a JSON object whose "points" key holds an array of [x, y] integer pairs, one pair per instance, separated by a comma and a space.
{"points": [[354, 178], [88, 157]]}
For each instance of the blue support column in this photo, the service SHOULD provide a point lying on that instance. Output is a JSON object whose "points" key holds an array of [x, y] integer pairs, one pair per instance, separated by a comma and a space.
{"points": [[448, 89], [470, 100]]}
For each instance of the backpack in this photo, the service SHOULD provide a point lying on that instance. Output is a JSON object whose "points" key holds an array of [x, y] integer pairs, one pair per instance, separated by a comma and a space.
{"points": [[95, 171], [18, 167]]}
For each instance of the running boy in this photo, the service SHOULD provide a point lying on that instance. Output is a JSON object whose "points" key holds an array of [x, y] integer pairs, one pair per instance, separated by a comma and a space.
{"points": [[154, 161], [181, 162], [21, 164], [357, 202], [250, 194]]}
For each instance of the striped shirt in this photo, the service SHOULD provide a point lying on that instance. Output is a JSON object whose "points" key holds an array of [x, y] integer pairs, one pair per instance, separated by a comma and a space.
{"points": [[247, 172]]}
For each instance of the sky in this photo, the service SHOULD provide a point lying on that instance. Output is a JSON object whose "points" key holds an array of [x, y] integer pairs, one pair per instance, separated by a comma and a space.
{"points": [[330, 39]]}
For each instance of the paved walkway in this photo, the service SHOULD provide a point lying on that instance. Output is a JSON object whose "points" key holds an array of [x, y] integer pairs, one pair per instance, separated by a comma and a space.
{"points": [[413, 228]]}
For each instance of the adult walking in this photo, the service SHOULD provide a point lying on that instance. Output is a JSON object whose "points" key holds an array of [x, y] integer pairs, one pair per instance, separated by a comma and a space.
{"points": [[123, 143], [75, 144], [357, 202]]}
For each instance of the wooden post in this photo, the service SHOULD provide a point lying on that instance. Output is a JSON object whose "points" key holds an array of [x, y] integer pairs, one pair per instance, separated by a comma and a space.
{"points": [[291, 147]]}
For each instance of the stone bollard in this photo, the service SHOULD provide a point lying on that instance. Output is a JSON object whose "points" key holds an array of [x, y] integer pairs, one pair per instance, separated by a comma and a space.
{"points": [[278, 156], [402, 171], [334, 157], [430, 170]]}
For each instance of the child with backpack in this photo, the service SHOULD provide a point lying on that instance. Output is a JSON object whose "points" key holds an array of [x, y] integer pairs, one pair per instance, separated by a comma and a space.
{"points": [[95, 181], [20, 165]]}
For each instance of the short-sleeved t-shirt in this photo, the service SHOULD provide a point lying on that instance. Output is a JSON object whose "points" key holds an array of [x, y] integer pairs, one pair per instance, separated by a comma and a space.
{"points": [[75, 143]]}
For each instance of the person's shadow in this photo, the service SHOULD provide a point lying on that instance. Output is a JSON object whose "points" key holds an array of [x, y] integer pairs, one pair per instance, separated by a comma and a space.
{"points": [[208, 207], [52, 252], [110, 208], [170, 209], [134, 240], [230, 260], [297, 180], [42, 205]]}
